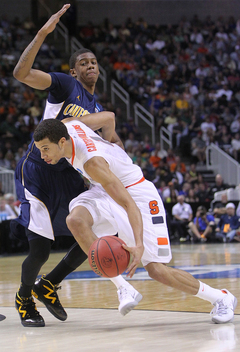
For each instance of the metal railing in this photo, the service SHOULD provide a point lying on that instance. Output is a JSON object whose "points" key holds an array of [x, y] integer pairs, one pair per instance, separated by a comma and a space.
{"points": [[165, 138], [76, 45], [222, 163], [7, 181], [117, 89], [141, 113], [60, 28]]}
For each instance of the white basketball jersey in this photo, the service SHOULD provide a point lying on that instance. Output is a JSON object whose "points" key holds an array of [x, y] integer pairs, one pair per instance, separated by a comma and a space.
{"points": [[87, 144]]}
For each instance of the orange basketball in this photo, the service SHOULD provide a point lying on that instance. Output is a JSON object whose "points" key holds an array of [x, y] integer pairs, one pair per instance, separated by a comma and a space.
{"points": [[107, 257]]}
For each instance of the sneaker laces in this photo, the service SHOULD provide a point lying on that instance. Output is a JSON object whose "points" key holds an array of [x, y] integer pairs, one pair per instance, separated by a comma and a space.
{"points": [[124, 293], [57, 287], [220, 308], [29, 305]]}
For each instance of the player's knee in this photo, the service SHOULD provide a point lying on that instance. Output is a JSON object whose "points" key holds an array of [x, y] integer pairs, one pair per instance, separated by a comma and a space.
{"points": [[75, 223], [156, 271]]}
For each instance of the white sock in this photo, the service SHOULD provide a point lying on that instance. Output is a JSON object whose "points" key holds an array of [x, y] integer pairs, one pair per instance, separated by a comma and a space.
{"points": [[119, 281], [209, 293]]}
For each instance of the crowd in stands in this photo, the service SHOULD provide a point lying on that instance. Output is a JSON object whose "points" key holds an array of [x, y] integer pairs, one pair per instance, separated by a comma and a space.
{"points": [[187, 75]]}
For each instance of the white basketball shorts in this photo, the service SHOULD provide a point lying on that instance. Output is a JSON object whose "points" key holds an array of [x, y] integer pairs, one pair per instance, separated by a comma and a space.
{"points": [[110, 218]]}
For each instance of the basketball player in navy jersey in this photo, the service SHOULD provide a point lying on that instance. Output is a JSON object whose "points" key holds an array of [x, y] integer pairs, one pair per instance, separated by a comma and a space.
{"points": [[46, 190]]}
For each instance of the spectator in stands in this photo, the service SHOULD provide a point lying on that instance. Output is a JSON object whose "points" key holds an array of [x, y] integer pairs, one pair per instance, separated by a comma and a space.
{"points": [[154, 158], [11, 206], [202, 193], [191, 197], [171, 157], [235, 126], [198, 148], [202, 226], [207, 126], [161, 153], [185, 187], [6, 212], [193, 174], [235, 143], [178, 176], [178, 162], [218, 186], [131, 141], [194, 126], [219, 207], [173, 194], [228, 224], [224, 91], [182, 215]]}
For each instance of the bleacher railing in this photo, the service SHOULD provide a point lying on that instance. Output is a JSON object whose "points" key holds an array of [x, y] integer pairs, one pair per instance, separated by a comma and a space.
{"points": [[141, 113], [165, 139], [7, 181], [220, 162], [122, 94]]}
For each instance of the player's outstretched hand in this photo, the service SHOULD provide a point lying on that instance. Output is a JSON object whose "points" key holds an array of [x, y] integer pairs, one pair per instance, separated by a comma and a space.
{"points": [[50, 25], [136, 253]]}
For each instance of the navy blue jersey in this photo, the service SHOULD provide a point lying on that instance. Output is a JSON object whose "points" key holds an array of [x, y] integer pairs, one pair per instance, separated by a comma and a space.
{"points": [[66, 98]]}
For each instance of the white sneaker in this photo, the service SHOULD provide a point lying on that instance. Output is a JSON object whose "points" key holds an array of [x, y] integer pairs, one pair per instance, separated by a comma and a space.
{"points": [[128, 298], [223, 311]]}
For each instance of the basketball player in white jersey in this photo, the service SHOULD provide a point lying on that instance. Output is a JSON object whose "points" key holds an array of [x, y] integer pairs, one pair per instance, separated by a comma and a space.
{"points": [[121, 200]]}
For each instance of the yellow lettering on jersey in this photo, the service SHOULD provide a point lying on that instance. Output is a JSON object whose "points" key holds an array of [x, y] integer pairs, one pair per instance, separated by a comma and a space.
{"points": [[74, 110], [80, 113], [66, 110]]}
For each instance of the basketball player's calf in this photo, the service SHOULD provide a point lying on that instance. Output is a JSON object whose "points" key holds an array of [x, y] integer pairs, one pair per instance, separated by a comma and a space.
{"points": [[224, 302]]}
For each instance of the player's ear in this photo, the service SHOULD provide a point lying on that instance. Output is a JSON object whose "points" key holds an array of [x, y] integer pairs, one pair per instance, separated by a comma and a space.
{"points": [[61, 142], [73, 72]]}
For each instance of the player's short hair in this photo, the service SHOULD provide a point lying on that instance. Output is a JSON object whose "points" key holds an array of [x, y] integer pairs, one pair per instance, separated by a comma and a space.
{"points": [[73, 58], [52, 129]]}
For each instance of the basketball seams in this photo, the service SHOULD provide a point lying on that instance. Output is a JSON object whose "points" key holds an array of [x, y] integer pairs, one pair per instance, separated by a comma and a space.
{"points": [[99, 262], [116, 264]]}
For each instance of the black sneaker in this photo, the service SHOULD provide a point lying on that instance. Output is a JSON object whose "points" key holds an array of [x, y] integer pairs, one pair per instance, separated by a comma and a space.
{"points": [[27, 310], [46, 293], [2, 317]]}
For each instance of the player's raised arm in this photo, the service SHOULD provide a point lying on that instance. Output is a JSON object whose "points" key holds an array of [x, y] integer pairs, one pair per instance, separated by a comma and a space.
{"points": [[98, 169], [23, 71]]}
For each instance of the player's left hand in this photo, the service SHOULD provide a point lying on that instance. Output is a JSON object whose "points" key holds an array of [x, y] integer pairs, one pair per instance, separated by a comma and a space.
{"points": [[54, 19], [136, 253]]}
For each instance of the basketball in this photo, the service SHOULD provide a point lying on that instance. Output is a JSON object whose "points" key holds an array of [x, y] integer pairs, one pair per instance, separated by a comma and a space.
{"points": [[107, 257]]}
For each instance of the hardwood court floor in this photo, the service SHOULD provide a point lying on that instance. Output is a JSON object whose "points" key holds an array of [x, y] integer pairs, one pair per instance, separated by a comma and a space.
{"points": [[165, 320]]}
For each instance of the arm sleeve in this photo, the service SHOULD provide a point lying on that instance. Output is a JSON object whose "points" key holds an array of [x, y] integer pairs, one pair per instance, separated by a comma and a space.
{"points": [[61, 87]]}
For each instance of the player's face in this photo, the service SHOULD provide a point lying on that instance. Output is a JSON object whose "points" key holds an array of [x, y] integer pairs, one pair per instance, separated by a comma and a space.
{"points": [[86, 69], [51, 153]]}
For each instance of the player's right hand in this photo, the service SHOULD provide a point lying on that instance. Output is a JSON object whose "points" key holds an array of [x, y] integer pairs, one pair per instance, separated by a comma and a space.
{"points": [[136, 253], [50, 25]]}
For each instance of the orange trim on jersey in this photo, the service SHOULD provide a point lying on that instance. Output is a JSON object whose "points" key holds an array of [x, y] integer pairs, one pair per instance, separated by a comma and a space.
{"points": [[162, 241], [140, 181], [73, 151]]}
